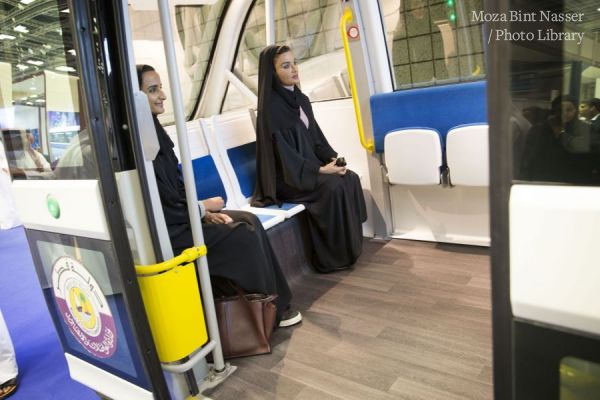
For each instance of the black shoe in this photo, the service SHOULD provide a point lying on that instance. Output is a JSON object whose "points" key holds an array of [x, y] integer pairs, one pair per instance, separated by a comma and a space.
{"points": [[290, 317], [8, 388]]}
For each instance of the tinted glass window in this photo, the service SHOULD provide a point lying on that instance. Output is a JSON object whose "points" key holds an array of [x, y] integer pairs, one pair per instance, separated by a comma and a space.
{"points": [[42, 123], [196, 31], [555, 89]]}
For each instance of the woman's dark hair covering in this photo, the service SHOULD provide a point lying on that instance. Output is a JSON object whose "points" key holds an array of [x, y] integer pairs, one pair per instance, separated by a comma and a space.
{"points": [[595, 102], [557, 102], [265, 189], [141, 69]]}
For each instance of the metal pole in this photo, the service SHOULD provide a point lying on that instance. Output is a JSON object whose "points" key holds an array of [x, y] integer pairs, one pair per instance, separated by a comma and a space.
{"points": [[270, 21], [190, 185]]}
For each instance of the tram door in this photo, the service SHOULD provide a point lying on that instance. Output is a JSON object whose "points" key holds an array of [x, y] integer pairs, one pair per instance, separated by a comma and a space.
{"points": [[67, 197], [545, 151]]}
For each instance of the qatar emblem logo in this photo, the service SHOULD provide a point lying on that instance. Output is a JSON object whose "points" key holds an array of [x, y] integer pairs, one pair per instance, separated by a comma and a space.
{"points": [[83, 307]]}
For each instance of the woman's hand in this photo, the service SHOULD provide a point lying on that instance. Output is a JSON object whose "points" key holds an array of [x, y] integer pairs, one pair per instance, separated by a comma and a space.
{"points": [[331, 168], [214, 204], [217, 218]]}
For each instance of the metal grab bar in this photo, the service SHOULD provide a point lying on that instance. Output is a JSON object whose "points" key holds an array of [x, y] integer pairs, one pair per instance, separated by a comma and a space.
{"points": [[194, 359], [347, 17], [186, 256]]}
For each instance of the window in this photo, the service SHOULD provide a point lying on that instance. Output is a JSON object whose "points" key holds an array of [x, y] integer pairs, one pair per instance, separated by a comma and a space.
{"points": [[41, 120], [311, 29], [555, 91], [432, 42], [196, 30]]}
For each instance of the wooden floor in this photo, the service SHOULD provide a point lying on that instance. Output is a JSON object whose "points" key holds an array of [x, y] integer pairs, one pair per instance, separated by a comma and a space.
{"points": [[412, 320]]}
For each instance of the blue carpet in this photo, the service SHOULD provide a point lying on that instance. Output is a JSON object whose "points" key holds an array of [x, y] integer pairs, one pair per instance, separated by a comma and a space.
{"points": [[43, 371]]}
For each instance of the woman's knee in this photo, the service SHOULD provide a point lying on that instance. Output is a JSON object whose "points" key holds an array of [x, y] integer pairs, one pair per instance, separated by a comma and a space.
{"points": [[243, 216]]}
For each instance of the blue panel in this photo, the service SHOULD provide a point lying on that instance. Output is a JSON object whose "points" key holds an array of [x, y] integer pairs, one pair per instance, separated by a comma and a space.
{"points": [[438, 107], [208, 181], [243, 159]]}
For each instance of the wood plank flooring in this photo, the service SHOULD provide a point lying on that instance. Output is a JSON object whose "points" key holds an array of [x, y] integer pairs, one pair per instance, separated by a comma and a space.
{"points": [[412, 320]]}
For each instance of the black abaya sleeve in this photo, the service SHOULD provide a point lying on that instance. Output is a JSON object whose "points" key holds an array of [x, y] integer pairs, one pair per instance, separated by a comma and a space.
{"points": [[297, 171], [322, 148]]}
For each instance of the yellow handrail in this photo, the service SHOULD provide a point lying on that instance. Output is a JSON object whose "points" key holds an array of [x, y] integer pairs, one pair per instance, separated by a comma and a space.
{"points": [[186, 256], [347, 17]]}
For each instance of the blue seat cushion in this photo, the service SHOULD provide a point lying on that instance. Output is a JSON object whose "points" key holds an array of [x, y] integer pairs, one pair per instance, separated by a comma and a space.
{"points": [[207, 179], [243, 160]]}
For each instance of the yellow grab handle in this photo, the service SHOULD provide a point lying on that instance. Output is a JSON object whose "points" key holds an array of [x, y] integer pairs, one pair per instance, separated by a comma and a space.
{"points": [[347, 17], [186, 256]]}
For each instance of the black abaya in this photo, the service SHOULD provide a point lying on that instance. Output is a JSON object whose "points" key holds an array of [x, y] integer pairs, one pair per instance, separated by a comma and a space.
{"points": [[289, 156], [239, 251]]}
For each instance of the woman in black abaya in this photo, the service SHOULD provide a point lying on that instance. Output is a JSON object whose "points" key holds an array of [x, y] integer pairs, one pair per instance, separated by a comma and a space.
{"points": [[238, 247], [295, 163]]}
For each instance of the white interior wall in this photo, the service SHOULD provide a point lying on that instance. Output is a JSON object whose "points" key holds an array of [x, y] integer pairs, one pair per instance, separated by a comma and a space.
{"points": [[458, 214]]}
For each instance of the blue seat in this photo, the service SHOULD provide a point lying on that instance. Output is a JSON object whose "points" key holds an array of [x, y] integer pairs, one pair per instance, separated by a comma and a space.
{"points": [[211, 179], [438, 107]]}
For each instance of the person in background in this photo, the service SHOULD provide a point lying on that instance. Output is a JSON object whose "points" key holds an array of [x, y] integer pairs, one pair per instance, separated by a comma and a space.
{"points": [[574, 134], [558, 148], [78, 162], [8, 362], [31, 159], [8, 209], [591, 112], [295, 163], [238, 247]]}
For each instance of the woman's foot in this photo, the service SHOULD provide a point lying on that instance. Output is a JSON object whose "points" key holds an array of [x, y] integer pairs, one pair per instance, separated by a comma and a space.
{"points": [[289, 318], [8, 388]]}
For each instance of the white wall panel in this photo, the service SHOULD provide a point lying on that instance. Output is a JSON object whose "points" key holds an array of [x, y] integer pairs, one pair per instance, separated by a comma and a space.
{"points": [[81, 207], [555, 255]]}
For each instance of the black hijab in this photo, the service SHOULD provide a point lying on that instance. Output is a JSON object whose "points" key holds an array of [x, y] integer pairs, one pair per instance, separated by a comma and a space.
{"points": [[278, 108]]}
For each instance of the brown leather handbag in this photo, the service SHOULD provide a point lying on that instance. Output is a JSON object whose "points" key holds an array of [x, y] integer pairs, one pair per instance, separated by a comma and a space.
{"points": [[246, 322]]}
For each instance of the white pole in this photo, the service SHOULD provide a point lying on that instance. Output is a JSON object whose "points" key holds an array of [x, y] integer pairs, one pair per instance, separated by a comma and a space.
{"points": [[270, 21], [190, 185]]}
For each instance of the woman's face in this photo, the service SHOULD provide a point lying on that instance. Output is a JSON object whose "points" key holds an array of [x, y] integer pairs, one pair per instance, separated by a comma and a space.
{"points": [[569, 111], [152, 86], [286, 69], [584, 109]]}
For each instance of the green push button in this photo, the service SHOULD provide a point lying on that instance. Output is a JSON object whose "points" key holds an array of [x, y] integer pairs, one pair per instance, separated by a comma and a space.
{"points": [[53, 206]]}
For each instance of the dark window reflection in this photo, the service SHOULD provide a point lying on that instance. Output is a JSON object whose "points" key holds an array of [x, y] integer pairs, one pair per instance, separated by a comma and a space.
{"points": [[555, 84], [558, 146]]}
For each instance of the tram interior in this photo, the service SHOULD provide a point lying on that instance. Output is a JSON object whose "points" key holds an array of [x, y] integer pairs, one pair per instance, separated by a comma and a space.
{"points": [[412, 318]]}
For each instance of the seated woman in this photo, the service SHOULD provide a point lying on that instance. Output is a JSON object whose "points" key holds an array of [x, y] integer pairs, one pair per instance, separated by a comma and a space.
{"points": [[238, 248], [295, 163]]}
